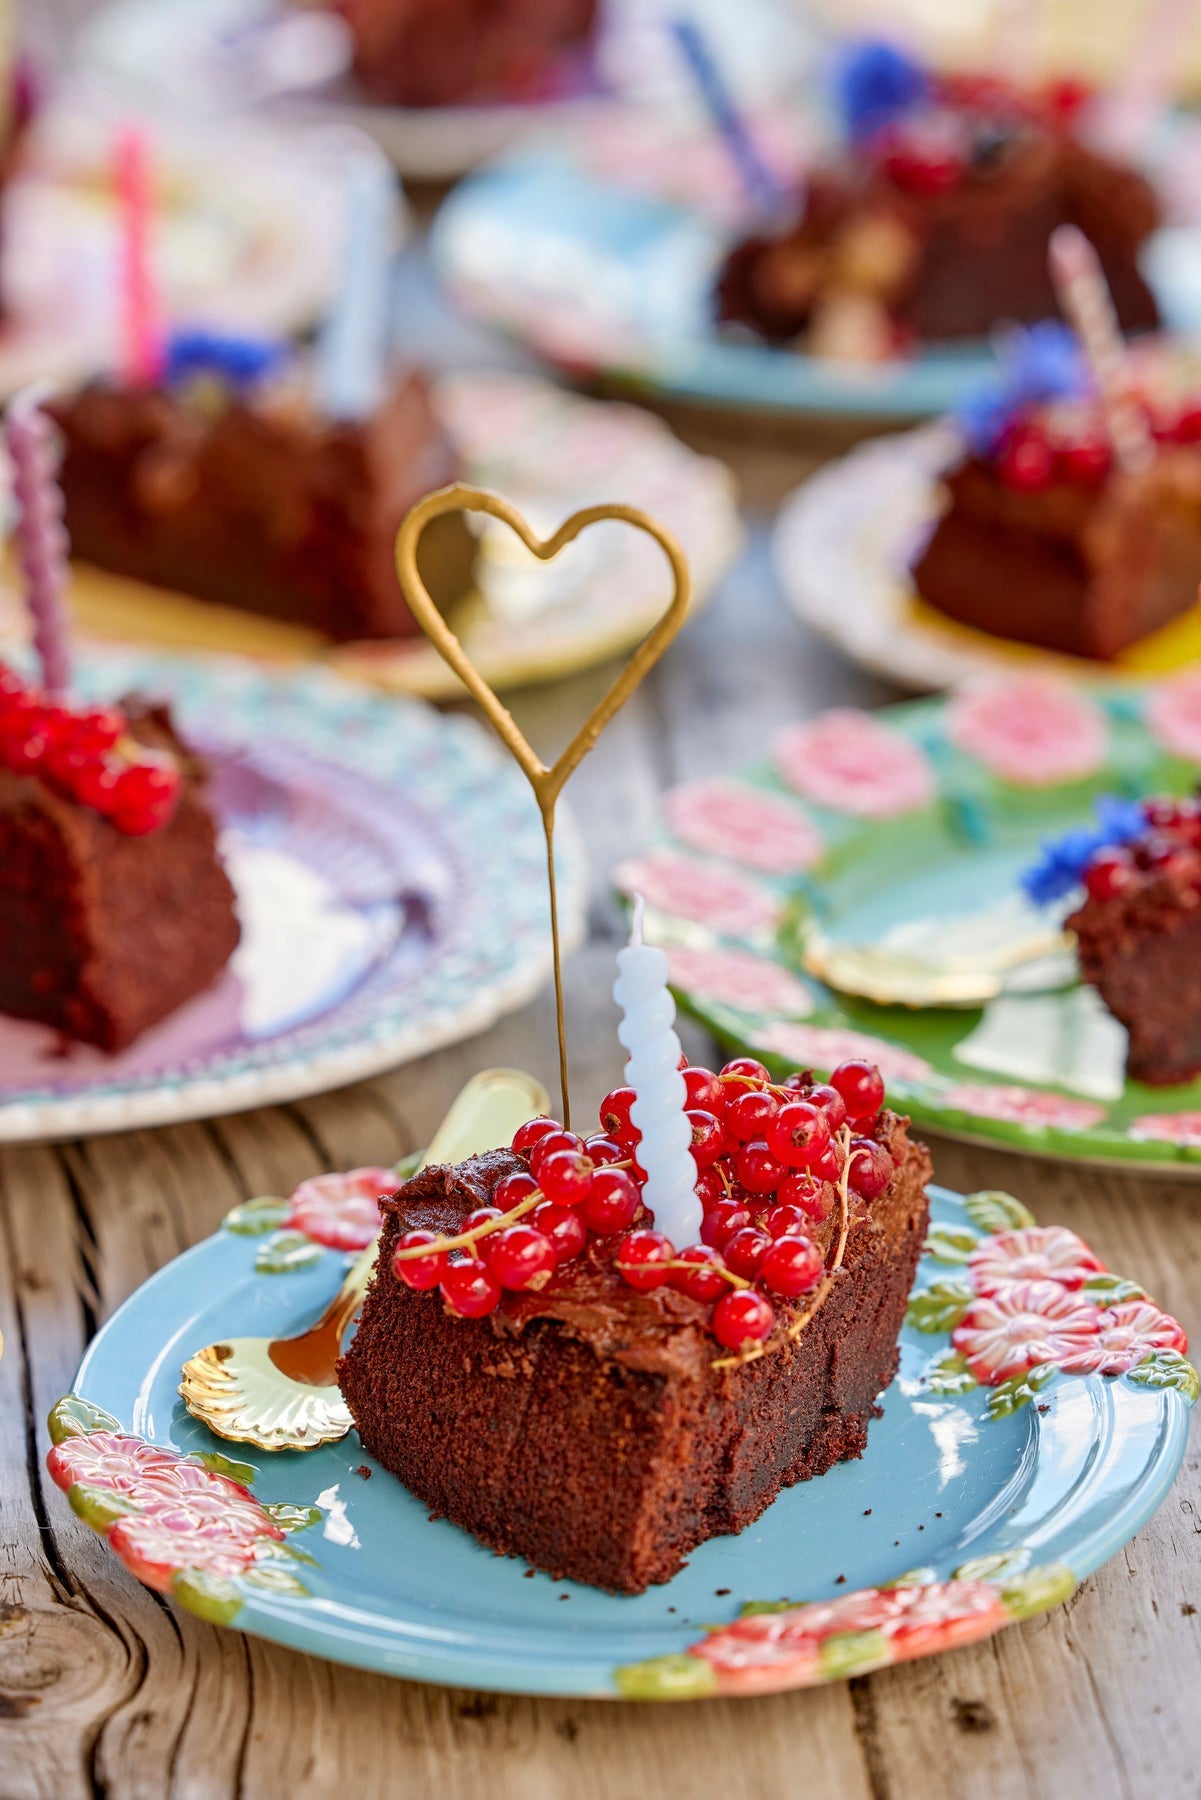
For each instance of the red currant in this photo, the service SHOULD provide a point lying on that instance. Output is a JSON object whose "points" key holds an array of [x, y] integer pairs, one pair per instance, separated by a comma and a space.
{"points": [[709, 1140], [563, 1228], [96, 784], [531, 1133], [828, 1167], [861, 1086], [470, 1289], [805, 1195], [1087, 463], [742, 1317], [612, 1202], [566, 1176], [637, 1256], [603, 1150], [758, 1170], [146, 795], [792, 1266], [521, 1257], [705, 1092], [482, 1215], [745, 1250], [420, 1272], [550, 1145], [744, 1069], [615, 1115], [94, 731], [707, 1282], [709, 1189], [747, 1114], [831, 1103], [722, 1221], [798, 1134], [1188, 426], [1027, 461], [511, 1190], [1109, 874], [871, 1168]]}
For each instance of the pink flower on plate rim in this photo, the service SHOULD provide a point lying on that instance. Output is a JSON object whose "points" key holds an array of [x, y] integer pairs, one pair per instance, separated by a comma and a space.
{"points": [[749, 827], [155, 1547], [740, 979], [341, 1211], [1030, 730], [854, 763], [1173, 715], [769, 1651], [704, 892], [1182, 1128], [823, 1047], [116, 1463], [1030, 1322], [1023, 1106], [1032, 1253], [1129, 1332]]}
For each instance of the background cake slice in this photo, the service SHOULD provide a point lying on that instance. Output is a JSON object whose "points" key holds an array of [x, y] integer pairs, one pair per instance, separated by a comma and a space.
{"points": [[114, 905]]}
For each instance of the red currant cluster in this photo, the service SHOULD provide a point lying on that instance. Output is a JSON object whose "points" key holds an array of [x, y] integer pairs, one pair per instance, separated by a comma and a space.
{"points": [[769, 1159], [87, 756], [1034, 454], [1172, 847]]}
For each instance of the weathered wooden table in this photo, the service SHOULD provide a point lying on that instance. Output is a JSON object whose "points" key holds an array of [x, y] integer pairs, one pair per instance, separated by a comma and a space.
{"points": [[107, 1689]]}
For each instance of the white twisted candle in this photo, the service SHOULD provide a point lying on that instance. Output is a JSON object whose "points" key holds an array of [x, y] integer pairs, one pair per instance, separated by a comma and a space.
{"points": [[1085, 298], [659, 1111]]}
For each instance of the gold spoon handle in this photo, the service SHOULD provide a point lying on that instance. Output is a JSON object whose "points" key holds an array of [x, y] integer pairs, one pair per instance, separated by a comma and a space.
{"points": [[486, 1113]]}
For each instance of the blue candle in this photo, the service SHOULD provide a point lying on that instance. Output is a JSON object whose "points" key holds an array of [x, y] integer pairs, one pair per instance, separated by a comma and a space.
{"points": [[762, 187], [353, 349]]}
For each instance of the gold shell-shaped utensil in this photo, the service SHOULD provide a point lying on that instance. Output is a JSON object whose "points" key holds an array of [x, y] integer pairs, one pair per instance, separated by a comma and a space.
{"points": [[281, 1393]]}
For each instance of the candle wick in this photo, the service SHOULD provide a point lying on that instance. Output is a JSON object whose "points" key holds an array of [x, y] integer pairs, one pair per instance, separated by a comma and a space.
{"points": [[639, 917]]}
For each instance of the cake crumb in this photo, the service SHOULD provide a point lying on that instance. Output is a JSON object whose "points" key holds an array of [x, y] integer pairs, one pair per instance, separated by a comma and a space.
{"points": [[721, 1592], [921, 1527], [838, 1580], [529, 1574], [938, 1515], [972, 1715], [896, 1543], [561, 1596], [363, 1470], [1187, 1609], [867, 1512]]}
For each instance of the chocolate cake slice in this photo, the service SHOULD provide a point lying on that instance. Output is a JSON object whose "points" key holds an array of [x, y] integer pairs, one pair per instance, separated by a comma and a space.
{"points": [[109, 920], [1048, 546], [252, 500], [603, 1432], [1138, 936], [936, 225]]}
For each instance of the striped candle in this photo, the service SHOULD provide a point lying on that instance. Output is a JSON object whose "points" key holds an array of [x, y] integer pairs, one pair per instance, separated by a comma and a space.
{"points": [[353, 350], [40, 535], [1085, 298]]}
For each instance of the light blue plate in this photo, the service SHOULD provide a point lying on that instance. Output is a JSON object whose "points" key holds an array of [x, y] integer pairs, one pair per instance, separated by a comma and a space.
{"points": [[1043, 1478], [605, 280]]}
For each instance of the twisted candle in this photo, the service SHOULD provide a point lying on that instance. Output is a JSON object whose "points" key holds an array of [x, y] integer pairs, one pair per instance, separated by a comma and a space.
{"points": [[1085, 298], [141, 360], [659, 1111], [40, 534]]}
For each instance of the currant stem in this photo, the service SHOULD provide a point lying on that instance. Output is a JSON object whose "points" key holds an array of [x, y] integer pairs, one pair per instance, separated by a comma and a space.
{"points": [[466, 1239]]}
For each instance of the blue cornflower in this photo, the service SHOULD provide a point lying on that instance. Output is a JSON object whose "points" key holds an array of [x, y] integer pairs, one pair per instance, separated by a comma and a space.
{"points": [[1063, 860], [874, 82], [196, 350], [1039, 363]]}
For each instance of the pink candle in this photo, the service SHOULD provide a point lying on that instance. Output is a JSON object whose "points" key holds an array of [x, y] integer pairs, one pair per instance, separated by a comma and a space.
{"points": [[1084, 296], [141, 340], [41, 537]]}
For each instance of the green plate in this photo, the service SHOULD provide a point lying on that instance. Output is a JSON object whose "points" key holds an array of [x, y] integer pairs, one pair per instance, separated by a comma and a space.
{"points": [[905, 832]]}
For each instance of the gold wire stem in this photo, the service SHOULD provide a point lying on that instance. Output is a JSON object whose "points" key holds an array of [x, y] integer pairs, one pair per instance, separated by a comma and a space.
{"points": [[547, 782]]}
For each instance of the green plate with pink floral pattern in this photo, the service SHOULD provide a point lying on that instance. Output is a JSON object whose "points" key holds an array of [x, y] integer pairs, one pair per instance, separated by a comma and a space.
{"points": [[1038, 1418], [886, 850]]}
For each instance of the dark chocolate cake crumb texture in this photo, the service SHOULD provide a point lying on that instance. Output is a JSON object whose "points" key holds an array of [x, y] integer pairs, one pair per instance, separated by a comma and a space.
{"points": [[597, 1403]]}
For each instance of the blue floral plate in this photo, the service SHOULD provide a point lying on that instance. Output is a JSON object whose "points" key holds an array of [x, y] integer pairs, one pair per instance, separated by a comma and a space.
{"points": [[614, 279], [391, 882], [1038, 1419]]}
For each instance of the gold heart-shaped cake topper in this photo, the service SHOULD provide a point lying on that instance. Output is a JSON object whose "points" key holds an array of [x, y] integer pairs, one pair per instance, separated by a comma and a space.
{"points": [[547, 782]]}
